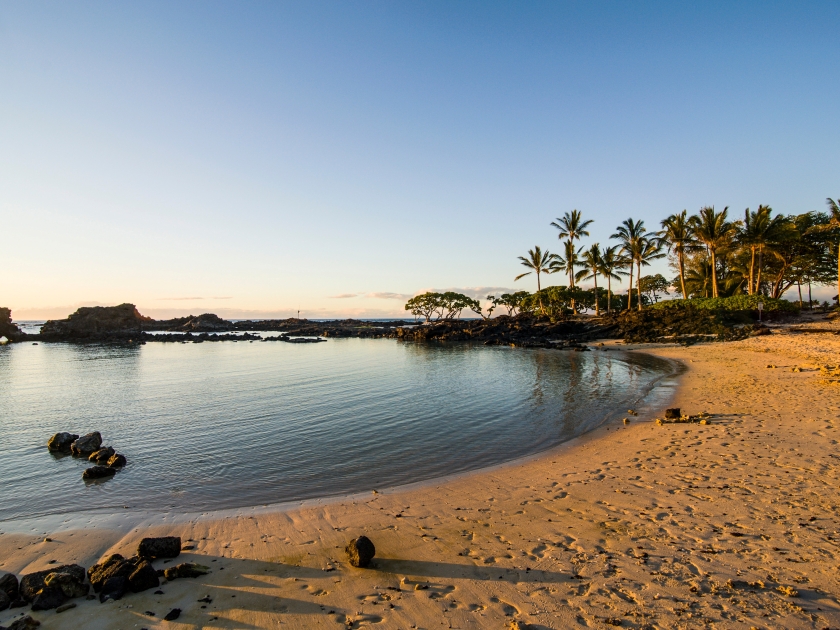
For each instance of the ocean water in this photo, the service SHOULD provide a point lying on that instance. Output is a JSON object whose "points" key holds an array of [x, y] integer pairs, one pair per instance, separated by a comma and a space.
{"points": [[225, 425]]}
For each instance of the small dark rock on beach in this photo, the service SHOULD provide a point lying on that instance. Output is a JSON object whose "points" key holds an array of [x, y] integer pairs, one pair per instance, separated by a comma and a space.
{"points": [[360, 551], [164, 547]]}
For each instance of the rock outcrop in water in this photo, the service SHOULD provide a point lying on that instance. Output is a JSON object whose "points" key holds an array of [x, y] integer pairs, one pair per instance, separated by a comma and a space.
{"points": [[61, 442], [96, 323], [87, 444], [7, 329]]}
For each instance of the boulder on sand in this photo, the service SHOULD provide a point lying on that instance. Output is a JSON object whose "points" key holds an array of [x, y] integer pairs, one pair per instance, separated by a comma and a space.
{"points": [[87, 444], [98, 472], [61, 442], [186, 570], [360, 551], [5, 601], [25, 623], [164, 547], [672, 414], [33, 583], [9, 585], [113, 588], [69, 583], [102, 455], [139, 574]]}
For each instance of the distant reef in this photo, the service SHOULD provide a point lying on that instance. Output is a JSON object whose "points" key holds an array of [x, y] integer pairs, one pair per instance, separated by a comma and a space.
{"points": [[125, 324]]}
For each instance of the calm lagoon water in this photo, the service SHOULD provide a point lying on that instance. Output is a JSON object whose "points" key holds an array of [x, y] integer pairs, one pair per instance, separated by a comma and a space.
{"points": [[225, 425]]}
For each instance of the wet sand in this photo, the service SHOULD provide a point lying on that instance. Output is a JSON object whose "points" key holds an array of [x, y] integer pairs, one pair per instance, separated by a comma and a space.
{"points": [[733, 524]]}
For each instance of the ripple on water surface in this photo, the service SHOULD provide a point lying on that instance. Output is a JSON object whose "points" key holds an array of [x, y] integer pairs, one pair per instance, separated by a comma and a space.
{"points": [[222, 425]]}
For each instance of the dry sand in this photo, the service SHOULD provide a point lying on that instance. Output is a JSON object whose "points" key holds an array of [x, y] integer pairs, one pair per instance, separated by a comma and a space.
{"points": [[728, 525]]}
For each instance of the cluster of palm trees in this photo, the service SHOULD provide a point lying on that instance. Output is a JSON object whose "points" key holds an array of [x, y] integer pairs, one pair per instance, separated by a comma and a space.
{"points": [[713, 255]]}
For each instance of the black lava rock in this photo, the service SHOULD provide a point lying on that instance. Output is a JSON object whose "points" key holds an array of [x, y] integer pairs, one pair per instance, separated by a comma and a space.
{"points": [[33, 583], [98, 472], [9, 585], [165, 547], [143, 578], [360, 551], [48, 598], [113, 588], [87, 444], [61, 442], [173, 614], [117, 461]]}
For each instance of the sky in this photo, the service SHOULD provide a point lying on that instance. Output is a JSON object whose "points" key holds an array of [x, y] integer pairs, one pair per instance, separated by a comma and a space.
{"points": [[253, 159]]}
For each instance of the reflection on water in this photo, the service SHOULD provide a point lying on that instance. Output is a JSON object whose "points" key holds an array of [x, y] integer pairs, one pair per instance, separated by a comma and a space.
{"points": [[208, 426]]}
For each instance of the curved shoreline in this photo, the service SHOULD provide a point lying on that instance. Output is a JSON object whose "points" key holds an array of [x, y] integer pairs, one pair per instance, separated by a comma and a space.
{"points": [[128, 518]]}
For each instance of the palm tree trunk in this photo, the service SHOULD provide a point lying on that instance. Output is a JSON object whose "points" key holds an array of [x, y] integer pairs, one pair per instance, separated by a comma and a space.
{"points": [[597, 308], [838, 274], [681, 258], [542, 310], [714, 275], [799, 283], [758, 274], [630, 290], [639, 283], [810, 301], [609, 292], [752, 270]]}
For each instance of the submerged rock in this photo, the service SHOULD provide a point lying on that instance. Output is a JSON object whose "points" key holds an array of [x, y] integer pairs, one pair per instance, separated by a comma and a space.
{"points": [[61, 442], [360, 551], [98, 472], [87, 444], [102, 455], [163, 547]]}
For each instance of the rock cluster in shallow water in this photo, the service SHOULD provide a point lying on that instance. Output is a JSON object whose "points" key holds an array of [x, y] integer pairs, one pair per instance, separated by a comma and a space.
{"points": [[107, 461]]}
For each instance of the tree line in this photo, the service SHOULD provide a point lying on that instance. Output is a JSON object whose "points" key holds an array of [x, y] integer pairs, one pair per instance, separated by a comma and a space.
{"points": [[712, 254]]}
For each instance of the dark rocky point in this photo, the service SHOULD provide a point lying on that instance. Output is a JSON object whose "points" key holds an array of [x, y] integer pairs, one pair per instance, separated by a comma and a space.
{"points": [[87, 444], [360, 551], [98, 472], [61, 442], [165, 547], [7, 329], [96, 323]]}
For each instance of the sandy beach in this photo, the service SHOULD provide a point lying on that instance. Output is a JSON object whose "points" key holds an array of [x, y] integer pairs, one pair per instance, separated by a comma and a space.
{"points": [[732, 524]]}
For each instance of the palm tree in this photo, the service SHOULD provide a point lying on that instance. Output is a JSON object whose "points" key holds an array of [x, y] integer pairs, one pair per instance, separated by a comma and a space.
{"points": [[538, 262], [677, 234], [714, 231], [833, 224], [630, 233], [571, 226], [757, 232], [611, 264], [648, 249], [591, 261]]}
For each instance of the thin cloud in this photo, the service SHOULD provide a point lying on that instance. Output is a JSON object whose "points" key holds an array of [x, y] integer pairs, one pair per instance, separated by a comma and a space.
{"points": [[344, 296], [389, 296], [181, 299]]}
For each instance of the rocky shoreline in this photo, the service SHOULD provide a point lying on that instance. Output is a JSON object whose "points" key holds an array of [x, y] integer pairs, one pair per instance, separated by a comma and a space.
{"points": [[125, 325]]}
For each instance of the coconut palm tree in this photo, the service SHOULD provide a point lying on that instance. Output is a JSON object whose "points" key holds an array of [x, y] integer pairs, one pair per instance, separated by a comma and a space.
{"points": [[677, 234], [713, 230], [630, 233], [648, 249], [757, 232], [833, 224], [612, 262], [591, 262], [538, 262], [571, 226]]}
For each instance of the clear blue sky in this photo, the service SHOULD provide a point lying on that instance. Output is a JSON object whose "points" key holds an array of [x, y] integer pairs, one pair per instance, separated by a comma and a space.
{"points": [[269, 156]]}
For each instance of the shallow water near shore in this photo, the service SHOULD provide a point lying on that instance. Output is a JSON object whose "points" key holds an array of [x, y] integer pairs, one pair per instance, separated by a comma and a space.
{"points": [[228, 425]]}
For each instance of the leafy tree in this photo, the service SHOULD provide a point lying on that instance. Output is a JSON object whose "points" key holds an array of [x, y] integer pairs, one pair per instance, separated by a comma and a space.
{"points": [[511, 301], [446, 306], [651, 285], [832, 225]]}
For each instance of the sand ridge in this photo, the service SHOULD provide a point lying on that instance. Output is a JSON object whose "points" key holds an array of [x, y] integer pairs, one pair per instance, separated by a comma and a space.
{"points": [[727, 525]]}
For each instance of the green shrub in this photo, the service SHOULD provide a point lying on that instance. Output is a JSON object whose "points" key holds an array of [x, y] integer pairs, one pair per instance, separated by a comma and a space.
{"points": [[733, 303]]}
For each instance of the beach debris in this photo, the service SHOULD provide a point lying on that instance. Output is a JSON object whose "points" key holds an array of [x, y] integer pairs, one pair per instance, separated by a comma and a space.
{"points": [[360, 551], [673, 413], [98, 472], [626, 420], [87, 444], [700, 418], [61, 442], [632, 412], [172, 615], [117, 461], [771, 366], [186, 570], [66, 606], [10, 586], [163, 547], [788, 590], [102, 455]]}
